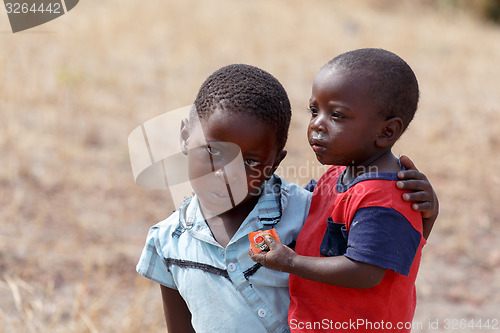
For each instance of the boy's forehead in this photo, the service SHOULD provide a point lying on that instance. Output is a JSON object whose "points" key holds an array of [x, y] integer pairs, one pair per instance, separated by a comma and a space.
{"points": [[224, 114], [224, 119], [236, 127], [347, 74], [337, 78], [353, 90]]}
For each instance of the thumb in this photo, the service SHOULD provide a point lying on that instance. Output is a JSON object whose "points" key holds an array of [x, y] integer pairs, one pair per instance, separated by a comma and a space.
{"points": [[270, 241], [407, 163]]}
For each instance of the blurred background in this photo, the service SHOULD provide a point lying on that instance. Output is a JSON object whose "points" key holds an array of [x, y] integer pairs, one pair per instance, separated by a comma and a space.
{"points": [[72, 220]]}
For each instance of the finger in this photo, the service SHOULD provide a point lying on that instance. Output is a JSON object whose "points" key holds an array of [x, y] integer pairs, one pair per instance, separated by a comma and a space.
{"points": [[407, 163], [414, 185], [257, 257], [411, 174], [269, 241], [417, 197], [424, 207]]}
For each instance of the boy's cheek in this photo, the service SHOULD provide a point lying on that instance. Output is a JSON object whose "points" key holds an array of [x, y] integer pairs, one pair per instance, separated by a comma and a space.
{"points": [[267, 171], [239, 191], [199, 164], [256, 179], [199, 170], [255, 187]]}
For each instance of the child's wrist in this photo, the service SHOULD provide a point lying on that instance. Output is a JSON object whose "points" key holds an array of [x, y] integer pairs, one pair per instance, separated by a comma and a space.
{"points": [[291, 262]]}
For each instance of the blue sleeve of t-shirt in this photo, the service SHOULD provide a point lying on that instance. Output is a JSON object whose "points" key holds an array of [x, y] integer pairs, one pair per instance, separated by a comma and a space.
{"points": [[383, 237], [311, 185]]}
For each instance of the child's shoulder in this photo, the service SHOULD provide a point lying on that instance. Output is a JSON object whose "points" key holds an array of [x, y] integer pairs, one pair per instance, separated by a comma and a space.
{"points": [[276, 184], [380, 190], [291, 197], [182, 217]]}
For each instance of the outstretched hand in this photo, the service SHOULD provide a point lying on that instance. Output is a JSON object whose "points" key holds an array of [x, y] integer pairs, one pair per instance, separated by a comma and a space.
{"points": [[279, 257], [337, 271], [423, 197]]}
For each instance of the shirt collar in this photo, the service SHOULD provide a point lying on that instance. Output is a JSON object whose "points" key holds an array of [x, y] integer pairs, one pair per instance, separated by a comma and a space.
{"points": [[341, 188], [190, 214], [270, 205]]}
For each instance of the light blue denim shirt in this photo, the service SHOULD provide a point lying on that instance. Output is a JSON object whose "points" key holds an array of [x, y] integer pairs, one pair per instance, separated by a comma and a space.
{"points": [[223, 288]]}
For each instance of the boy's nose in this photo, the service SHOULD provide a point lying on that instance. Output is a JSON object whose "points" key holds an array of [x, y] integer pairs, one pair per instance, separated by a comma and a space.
{"points": [[227, 175], [220, 173], [318, 124], [231, 173]]}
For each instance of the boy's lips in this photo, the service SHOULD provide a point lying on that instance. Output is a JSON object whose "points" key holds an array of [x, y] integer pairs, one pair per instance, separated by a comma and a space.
{"points": [[213, 191], [219, 195], [215, 200], [317, 145]]}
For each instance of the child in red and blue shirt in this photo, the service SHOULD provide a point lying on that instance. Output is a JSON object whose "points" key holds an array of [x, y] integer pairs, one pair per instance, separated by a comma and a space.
{"points": [[357, 256]]}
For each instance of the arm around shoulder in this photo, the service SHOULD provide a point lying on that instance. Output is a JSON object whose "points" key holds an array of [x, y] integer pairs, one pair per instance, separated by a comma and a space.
{"points": [[424, 197]]}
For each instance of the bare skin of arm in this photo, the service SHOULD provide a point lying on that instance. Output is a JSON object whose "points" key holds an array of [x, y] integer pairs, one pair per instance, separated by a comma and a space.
{"points": [[176, 311], [338, 271], [423, 197]]}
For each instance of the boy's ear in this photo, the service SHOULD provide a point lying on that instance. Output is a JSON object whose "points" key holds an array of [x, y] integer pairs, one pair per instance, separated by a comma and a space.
{"points": [[389, 132], [281, 156], [184, 135]]}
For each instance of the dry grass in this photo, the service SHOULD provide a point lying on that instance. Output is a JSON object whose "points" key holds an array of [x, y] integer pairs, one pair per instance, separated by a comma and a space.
{"points": [[73, 223]]}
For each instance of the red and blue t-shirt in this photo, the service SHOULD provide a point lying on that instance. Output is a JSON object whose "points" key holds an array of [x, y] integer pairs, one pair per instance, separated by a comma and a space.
{"points": [[367, 221]]}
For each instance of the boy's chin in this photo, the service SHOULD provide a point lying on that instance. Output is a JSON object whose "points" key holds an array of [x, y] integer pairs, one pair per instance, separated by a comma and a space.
{"points": [[325, 160], [213, 206], [322, 160], [209, 209]]}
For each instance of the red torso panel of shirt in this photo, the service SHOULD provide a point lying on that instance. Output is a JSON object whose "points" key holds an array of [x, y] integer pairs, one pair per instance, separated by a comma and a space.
{"points": [[363, 209]]}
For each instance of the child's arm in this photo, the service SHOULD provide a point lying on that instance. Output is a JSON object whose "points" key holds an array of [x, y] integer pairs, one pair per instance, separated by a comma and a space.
{"points": [[424, 198], [176, 311], [339, 270]]}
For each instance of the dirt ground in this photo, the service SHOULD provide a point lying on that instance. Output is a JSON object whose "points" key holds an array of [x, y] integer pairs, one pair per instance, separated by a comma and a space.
{"points": [[72, 220]]}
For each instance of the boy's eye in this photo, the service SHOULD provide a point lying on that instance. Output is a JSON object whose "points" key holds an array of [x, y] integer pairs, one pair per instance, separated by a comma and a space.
{"points": [[337, 115], [213, 151], [252, 163], [312, 110]]}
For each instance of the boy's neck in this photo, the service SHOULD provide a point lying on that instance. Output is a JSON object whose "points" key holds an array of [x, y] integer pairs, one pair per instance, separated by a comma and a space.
{"points": [[384, 162], [224, 226]]}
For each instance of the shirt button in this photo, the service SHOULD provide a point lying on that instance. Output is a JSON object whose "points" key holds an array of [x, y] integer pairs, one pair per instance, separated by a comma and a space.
{"points": [[262, 313], [231, 267]]}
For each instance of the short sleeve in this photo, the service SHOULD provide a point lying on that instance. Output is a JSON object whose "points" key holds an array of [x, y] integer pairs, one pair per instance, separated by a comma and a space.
{"points": [[383, 237], [151, 264], [311, 185]]}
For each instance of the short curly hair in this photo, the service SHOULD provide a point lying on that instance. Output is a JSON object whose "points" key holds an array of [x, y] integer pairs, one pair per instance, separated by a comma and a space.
{"points": [[393, 85], [246, 89]]}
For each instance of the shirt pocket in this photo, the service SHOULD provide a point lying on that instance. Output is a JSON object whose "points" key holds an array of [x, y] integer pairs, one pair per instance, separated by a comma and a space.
{"points": [[335, 239]]}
